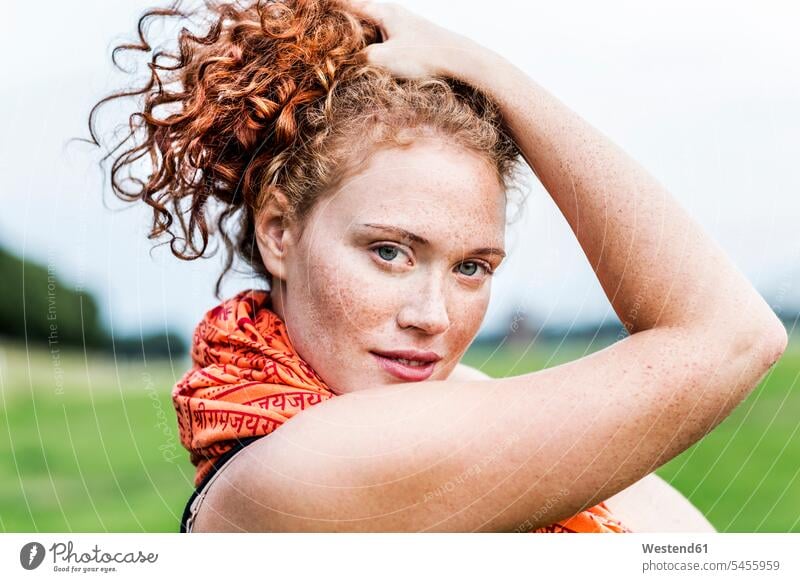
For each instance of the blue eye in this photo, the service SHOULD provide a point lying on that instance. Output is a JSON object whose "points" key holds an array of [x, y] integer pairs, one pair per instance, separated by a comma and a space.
{"points": [[473, 268], [472, 271], [387, 256]]}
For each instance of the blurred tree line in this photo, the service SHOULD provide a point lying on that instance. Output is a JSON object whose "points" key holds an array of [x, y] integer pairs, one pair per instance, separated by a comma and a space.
{"points": [[39, 308]]}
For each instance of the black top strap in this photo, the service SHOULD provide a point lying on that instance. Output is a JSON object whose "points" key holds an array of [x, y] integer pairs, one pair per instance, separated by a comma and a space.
{"points": [[215, 466]]}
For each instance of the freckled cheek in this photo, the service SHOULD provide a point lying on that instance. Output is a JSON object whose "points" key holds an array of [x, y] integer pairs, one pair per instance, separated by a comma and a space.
{"points": [[353, 297], [466, 320]]}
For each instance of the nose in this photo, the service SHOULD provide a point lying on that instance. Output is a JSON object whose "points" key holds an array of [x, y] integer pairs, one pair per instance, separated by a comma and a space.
{"points": [[426, 308]]}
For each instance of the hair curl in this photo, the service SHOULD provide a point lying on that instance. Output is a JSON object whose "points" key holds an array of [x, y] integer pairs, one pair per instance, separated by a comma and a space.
{"points": [[272, 94]]}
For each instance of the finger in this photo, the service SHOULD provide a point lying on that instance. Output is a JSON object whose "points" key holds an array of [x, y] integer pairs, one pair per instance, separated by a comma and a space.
{"points": [[373, 55], [377, 12]]}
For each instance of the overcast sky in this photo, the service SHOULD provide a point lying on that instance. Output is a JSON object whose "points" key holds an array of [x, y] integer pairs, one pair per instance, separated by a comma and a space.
{"points": [[704, 95]]}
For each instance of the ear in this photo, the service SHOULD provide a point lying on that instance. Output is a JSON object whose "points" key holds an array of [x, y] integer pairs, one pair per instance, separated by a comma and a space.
{"points": [[273, 236]]}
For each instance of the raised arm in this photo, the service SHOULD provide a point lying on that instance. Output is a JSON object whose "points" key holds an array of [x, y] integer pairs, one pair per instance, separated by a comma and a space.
{"points": [[500, 454], [658, 268]]}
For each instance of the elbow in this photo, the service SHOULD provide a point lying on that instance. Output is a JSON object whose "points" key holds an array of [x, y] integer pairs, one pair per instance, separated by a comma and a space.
{"points": [[772, 342], [759, 345], [767, 342]]}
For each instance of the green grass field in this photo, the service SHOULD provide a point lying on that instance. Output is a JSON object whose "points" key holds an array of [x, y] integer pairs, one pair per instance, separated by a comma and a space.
{"points": [[91, 445]]}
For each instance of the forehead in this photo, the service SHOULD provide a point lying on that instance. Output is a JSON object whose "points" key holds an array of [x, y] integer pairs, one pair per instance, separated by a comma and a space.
{"points": [[430, 188]]}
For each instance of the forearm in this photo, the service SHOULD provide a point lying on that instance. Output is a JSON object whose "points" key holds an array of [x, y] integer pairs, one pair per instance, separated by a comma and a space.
{"points": [[655, 263]]}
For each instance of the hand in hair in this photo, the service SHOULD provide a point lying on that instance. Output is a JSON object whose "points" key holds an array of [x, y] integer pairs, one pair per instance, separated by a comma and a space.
{"points": [[413, 47]]}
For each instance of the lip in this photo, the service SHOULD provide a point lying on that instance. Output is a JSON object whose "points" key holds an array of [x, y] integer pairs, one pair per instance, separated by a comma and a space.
{"points": [[404, 371]]}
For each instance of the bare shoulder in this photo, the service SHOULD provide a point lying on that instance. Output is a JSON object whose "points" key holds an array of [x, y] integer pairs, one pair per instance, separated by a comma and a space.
{"points": [[653, 505], [311, 476]]}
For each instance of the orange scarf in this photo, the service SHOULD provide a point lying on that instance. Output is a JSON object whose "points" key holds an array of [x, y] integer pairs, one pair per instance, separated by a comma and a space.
{"points": [[247, 380]]}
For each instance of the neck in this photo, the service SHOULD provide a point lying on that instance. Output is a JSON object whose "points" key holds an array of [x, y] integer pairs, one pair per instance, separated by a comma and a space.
{"points": [[277, 296]]}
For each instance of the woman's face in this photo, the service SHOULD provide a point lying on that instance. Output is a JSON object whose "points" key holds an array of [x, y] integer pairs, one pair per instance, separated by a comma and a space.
{"points": [[398, 258]]}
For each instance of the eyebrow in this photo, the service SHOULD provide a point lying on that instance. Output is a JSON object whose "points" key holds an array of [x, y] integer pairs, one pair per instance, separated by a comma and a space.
{"points": [[408, 235]]}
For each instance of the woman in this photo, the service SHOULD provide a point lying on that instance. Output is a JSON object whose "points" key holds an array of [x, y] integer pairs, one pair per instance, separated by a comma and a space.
{"points": [[367, 154]]}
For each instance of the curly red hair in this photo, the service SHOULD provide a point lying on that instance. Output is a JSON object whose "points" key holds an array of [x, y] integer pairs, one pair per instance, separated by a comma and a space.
{"points": [[271, 94]]}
